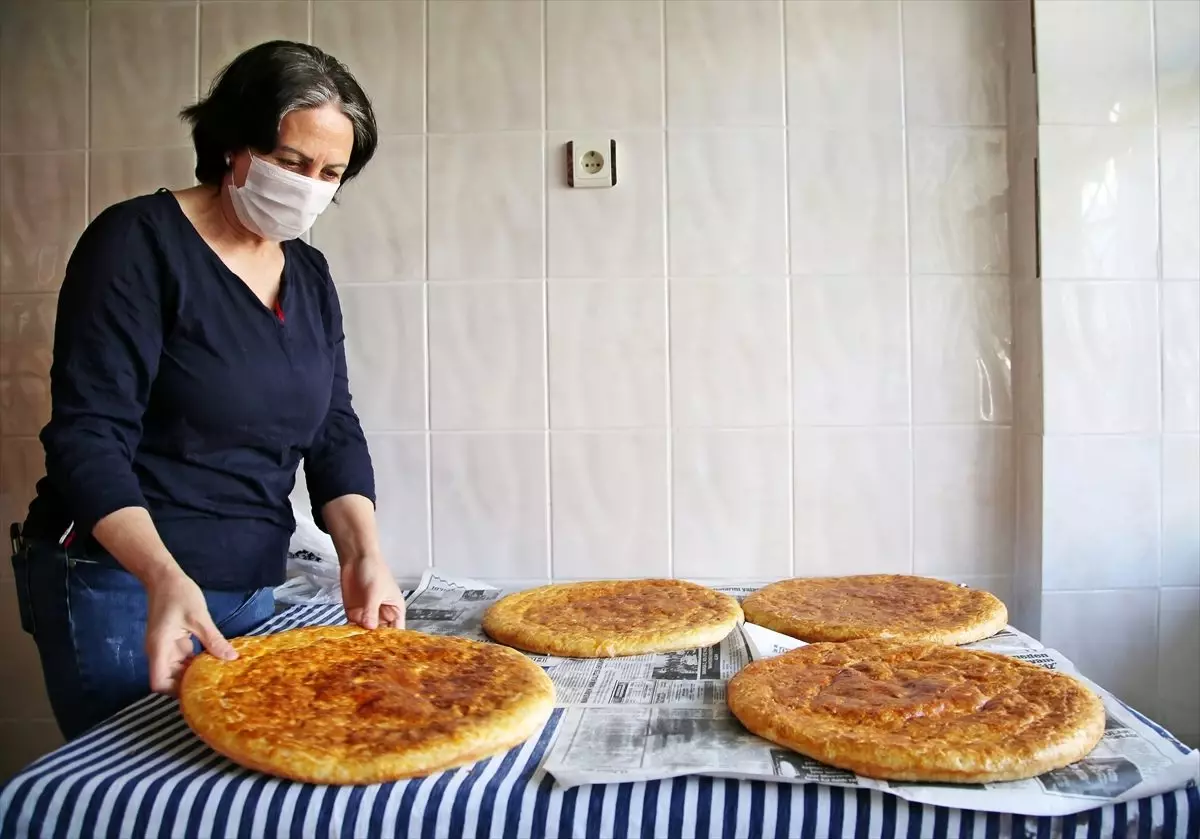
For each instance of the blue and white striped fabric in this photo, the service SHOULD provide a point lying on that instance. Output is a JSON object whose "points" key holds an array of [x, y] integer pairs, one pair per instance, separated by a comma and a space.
{"points": [[143, 774]]}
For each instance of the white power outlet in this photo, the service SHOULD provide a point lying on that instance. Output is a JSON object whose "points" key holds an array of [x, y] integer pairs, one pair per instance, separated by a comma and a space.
{"points": [[592, 163]]}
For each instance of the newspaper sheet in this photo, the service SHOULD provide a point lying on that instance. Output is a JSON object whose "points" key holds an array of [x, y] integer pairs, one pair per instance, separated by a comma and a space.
{"points": [[650, 717]]}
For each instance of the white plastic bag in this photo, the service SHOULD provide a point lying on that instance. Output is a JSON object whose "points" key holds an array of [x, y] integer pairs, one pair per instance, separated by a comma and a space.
{"points": [[312, 566]]}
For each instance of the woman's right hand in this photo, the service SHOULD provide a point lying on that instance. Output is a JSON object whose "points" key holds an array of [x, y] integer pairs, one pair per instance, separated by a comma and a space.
{"points": [[177, 612]]}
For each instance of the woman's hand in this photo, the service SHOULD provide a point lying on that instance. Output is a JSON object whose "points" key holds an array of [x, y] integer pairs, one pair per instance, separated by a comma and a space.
{"points": [[177, 612], [370, 594]]}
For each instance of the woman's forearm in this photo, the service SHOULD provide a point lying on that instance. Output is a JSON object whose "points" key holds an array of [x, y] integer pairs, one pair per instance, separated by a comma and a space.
{"points": [[130, 536], [350, 520]]}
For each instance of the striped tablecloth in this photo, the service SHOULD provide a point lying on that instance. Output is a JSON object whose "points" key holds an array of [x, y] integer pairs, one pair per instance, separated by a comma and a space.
{"points": [[143, 774]]}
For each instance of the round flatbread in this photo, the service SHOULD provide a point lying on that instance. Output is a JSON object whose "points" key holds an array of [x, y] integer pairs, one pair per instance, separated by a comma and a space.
{"points": [[613, 618], [343, 705], [893, 606], [918, 712]]}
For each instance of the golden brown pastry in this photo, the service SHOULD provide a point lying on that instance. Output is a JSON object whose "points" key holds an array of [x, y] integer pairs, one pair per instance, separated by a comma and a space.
{"points": [[341, 705], [895, 606], [612, 618], [918, 712]]}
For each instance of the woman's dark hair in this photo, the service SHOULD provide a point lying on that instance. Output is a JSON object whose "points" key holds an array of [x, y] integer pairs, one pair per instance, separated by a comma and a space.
{"points": [[250, 97]]}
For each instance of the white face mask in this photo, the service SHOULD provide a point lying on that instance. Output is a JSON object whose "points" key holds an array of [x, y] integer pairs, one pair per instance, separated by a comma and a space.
{"points": [[277, 204]]}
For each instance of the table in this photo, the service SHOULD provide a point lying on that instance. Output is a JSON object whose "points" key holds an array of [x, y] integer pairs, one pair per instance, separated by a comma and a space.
{"points": [[143, 774]]}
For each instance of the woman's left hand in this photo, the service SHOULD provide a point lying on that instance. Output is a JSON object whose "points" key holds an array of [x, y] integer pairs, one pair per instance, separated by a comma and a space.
{"points": [[370, 594]]}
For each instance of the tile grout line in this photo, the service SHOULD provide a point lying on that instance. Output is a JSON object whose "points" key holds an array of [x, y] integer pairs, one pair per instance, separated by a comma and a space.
{"points": [[197, 78], [547, 453], [908, 305], [789, 321], [425, 290], [702, 280], [87, 112], [665, 174], [1159, 323], [1159, 313], [197, 45], [721, 429]]}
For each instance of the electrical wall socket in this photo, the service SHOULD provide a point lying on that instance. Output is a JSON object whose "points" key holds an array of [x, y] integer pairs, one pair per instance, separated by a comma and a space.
{"points": [[591, 163]]}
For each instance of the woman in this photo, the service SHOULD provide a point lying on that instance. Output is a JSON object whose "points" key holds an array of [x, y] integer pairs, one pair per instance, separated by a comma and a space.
{"points": [[198, 357]]}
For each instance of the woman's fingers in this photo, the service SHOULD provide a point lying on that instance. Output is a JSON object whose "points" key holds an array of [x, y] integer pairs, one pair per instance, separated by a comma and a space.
{"points": [[213, 640], [168, 657], [169, 653], [391, 615], [368, 616]]}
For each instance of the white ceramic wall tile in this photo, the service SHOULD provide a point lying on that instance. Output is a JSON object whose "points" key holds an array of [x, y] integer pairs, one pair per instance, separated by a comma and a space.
{"points": [[724, 63], [22, 465], [850, 351], [962, 350], [143, 70], [24, 742], [376, 231], [383, 44], [608, 354], [958, 200], [385, 354], [1177, 32], [1027, 379], [1095, 62], [1181, 510], [42, 213], [1180, 173], [1123, 658], [1101, 367], [955, 61], [1099, 203], [604, 64], [1023, 202], [486, 364], [43, 61], [119, 175], [964, 500], [1178, 652], [608, 233], [726, 205], [228, 29], [485, 228], [853, 501], [729, 346], [1181, 356], [1022, 84], [489, 505], [26, 344], [1027, 565], [485, 65], [846, 201], [609, 507], [731, 504], [19, 658], [27, 319], [402, 502], [1091, 479], [843, 62], [1002, 587]]}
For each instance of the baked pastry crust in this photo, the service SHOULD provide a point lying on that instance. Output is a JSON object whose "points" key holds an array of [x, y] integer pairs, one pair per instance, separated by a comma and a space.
{"points": [[918, 712], [343, 705], [893, 606], [613, 618]]}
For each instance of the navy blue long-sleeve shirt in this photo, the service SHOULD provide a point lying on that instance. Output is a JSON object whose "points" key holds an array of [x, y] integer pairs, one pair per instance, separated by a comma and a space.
{"points": [[175, 389]]}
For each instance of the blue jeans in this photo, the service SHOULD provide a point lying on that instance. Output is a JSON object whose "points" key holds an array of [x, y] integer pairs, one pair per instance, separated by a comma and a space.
{"points": [[88, 618]]}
